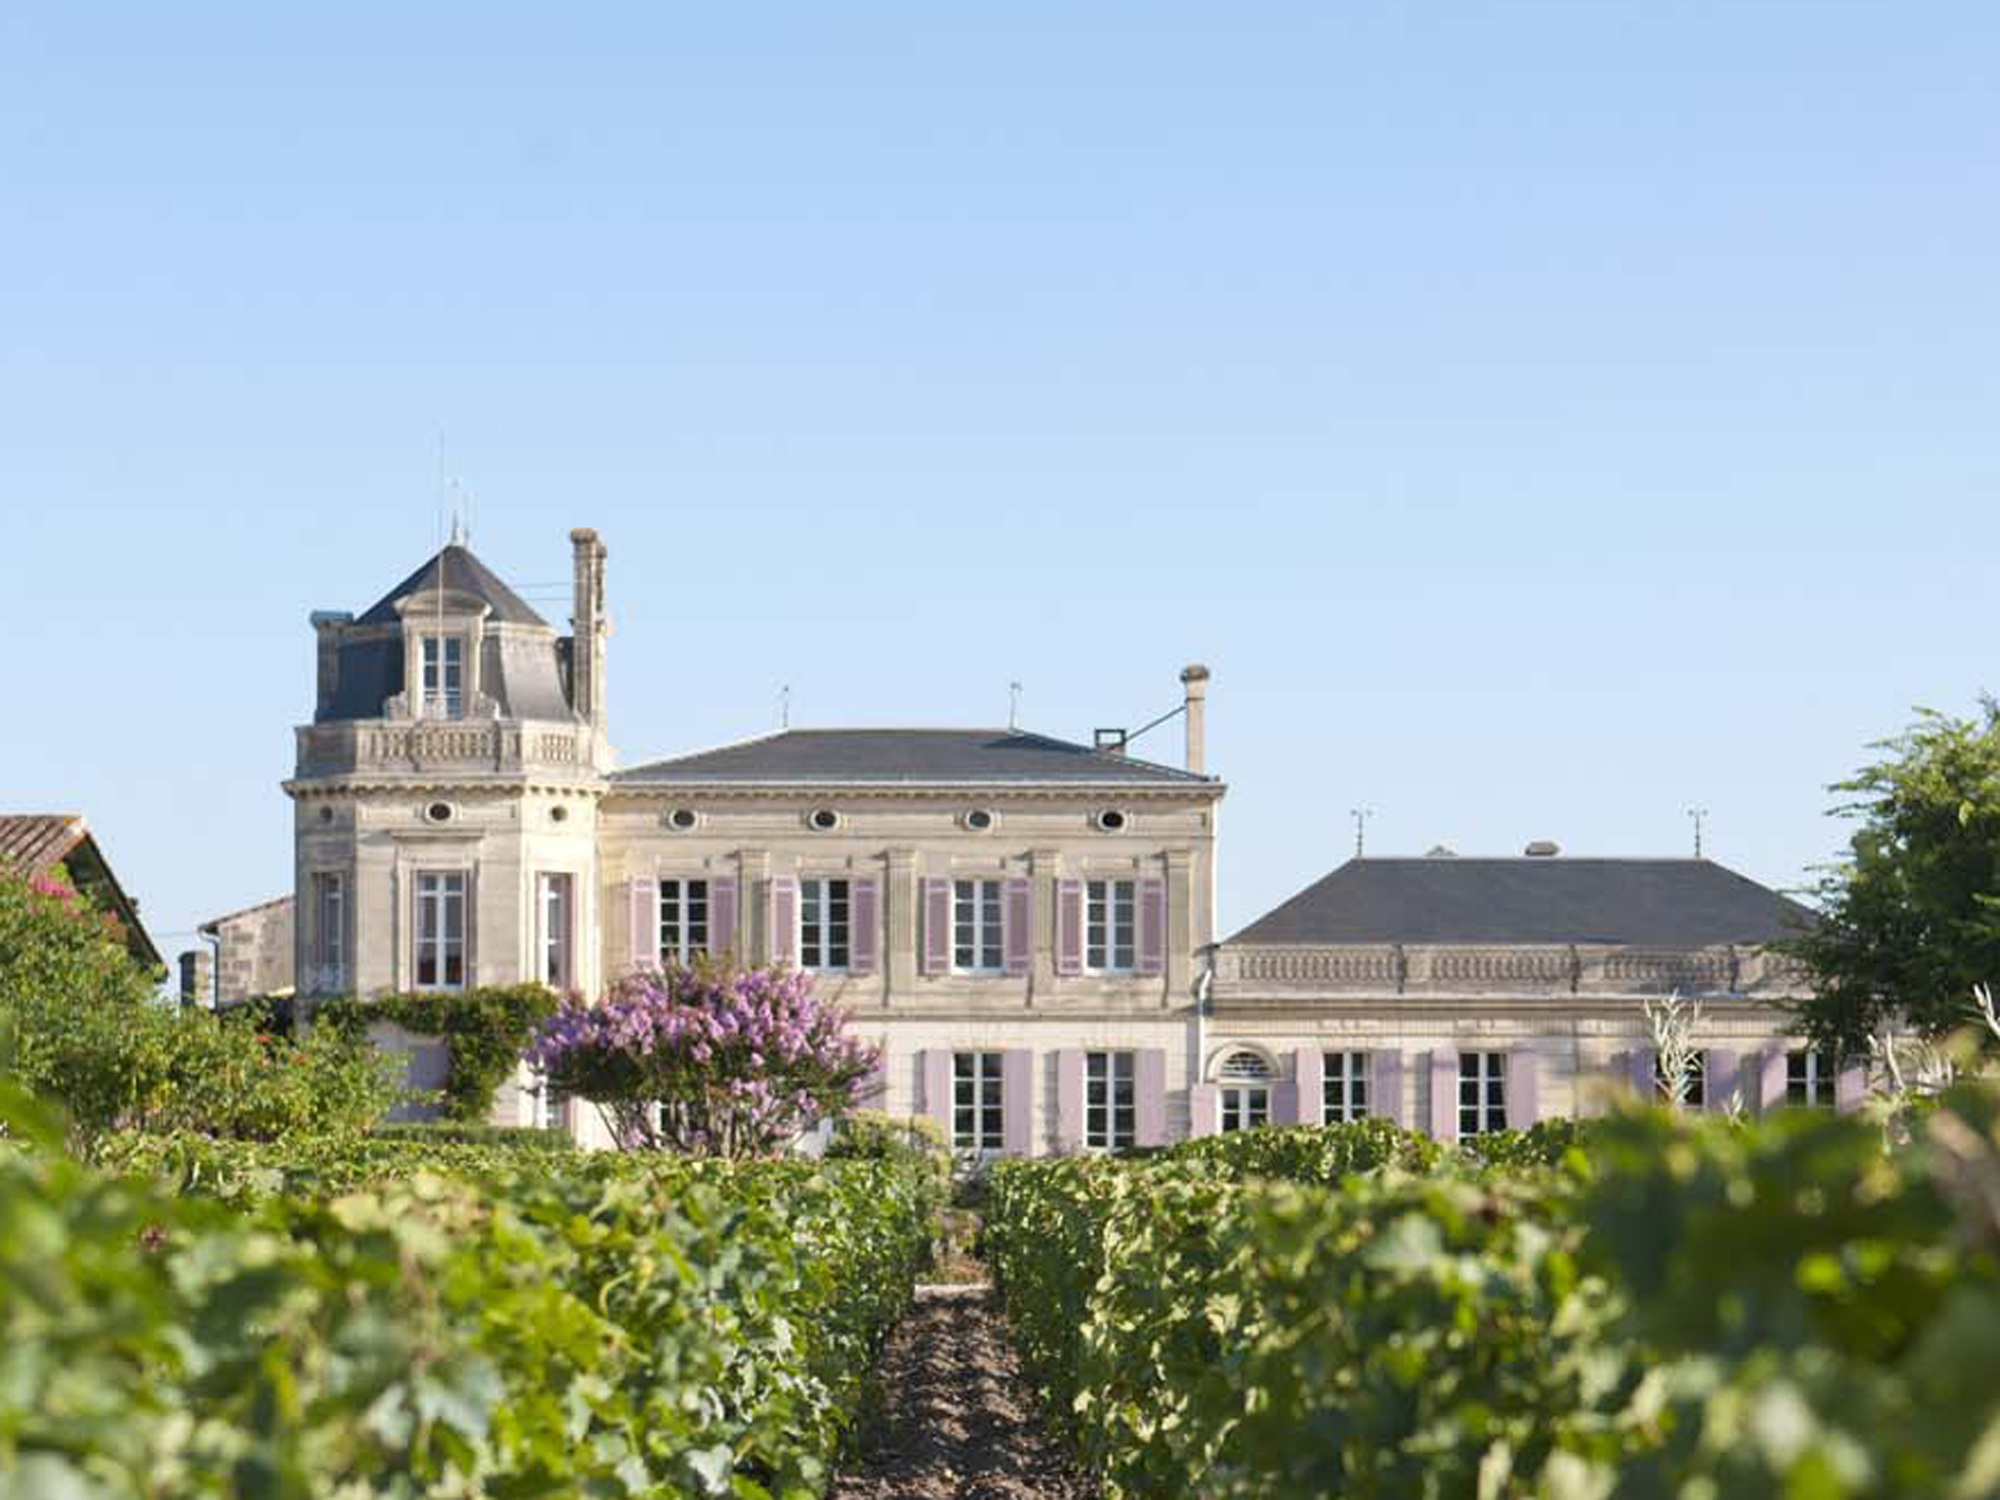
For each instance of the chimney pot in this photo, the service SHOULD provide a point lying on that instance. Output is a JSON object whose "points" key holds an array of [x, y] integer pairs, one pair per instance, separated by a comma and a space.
{"points": [[1543, 849]]}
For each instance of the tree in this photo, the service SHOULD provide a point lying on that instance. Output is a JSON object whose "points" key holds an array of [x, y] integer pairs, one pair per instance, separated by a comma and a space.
{"points": [[1910, 922], [711, 1060]]}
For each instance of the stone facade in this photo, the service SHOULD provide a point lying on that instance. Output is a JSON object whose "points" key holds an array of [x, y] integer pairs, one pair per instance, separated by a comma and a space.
{"points": [[254, 953]]}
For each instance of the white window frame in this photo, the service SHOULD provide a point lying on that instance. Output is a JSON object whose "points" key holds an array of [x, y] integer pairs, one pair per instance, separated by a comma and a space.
{"points": [[436, 893], [978, 1104], [1488, 1080], [329, 917], [1810, 1073], [441, 665], [1243, 1093], [1110, 926], [978, 925], [826, 915], [690, 902], [556, 905], [1110, 1100], [1346, 1085]]}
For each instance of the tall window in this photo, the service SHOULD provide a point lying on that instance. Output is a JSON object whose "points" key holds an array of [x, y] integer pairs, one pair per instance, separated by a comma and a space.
{"points": [[976, 1095], [443, 679], [1107, 925], [1694, 1088], [1110, 1101], [823, 925], [440, 930], [1344, 1086], [557, 927], [975, 927], [1245, 1091], [1482, 1092], [683, 920], [329, 932], [1809, 1079]]}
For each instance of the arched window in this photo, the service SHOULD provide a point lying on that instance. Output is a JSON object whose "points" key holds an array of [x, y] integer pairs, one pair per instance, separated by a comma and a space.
{"points": [[1245, 1079]]}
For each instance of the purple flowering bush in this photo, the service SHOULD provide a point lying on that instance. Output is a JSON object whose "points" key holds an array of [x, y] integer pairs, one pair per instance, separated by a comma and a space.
{"points": [[710, 1060]]}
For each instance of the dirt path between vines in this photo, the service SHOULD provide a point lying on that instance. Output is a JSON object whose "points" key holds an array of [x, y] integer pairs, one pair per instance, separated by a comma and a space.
{"points": [[959, 1423]]}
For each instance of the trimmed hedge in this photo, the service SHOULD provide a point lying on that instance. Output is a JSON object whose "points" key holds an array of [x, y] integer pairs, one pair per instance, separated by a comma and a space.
{"points": [[392, 1318], [1657, 1305]]}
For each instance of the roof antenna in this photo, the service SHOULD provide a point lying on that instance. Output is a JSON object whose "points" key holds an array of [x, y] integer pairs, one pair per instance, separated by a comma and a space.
{"points": [[1699, 814], [785, 706], [1361, 815], [1013, 706]]}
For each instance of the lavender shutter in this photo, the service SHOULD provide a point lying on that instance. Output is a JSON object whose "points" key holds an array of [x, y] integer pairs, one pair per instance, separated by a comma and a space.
{"points": [[1069, 927], [1285, 1102], [721, 918], [1718, 1079], [1152, 955], [936, 1065], [645, 909], [1149, 1085], [1444, 1094], [937, 926], [1524, 1088], [1771, 1078], [1017, 929], [1309, 1068], [1850, 1088], [1017, 1101], [1069, 1099], [1385, 1087], [782, 934], [875, 1087], [861, 927], [1641, 1067], [1204, 1109]]}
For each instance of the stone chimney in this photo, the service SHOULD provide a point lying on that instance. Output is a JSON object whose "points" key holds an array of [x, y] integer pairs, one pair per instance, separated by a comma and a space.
{"points": [[328, 625], [589, 627], [197, 979], [1194, 679]]}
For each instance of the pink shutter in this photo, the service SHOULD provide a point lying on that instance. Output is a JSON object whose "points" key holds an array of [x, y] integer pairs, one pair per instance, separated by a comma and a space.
{"points": [[1149, 1085], [1017, 1101], [1285, 1102], [862, 922], [937, 926], [1017, 926], [1069, 927], [645, 908], [1152, 956], [1641, 1068], [1719, 1079], [1444, 1094], [1309, 1068], [1204, 1109], [937, 1088], [782, 935], [1524, 1088], [1771, 1079], [1850, 1088], [721, 918], [1069, 1099], [1385, 1086]]}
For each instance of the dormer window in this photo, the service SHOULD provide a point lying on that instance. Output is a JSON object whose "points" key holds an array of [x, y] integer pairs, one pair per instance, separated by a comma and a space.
{"points": [[444, 692]]}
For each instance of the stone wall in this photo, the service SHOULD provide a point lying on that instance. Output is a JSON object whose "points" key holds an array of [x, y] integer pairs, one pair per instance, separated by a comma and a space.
{"points": [[256, 951]]}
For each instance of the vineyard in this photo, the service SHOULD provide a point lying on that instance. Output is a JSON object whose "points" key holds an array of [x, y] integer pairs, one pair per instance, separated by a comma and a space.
{"points": [[1649, 1305], [402, 1318]]}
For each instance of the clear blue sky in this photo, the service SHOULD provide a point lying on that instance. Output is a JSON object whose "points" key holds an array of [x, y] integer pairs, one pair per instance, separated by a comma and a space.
{"points": [[1540, 416]]}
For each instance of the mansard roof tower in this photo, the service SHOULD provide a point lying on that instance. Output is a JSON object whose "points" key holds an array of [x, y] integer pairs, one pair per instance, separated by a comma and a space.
{"points": [[457, 742]]}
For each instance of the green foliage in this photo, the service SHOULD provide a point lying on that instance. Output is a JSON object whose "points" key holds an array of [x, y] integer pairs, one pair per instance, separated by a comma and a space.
{"points": [[519, 1137], [1312, 1153], [1910, 922], [484, 1031], [91, 1035], [392, 1318], [1684, 1306]]}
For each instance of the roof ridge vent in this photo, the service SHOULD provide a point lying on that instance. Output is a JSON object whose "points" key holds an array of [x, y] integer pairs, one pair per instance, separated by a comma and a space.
{"points": [[1543, 849]]}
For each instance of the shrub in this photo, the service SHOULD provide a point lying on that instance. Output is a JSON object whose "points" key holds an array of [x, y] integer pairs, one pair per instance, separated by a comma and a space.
{"points": [[484, 1030]]}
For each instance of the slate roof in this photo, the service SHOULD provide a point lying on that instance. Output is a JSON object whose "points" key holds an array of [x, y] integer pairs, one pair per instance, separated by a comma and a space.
{"points": [[942, 756], [1668, 903], [464, 574]]}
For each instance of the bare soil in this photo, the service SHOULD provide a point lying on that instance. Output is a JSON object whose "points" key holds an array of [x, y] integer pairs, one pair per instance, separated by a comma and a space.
{"points": [[958, 1423]]}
